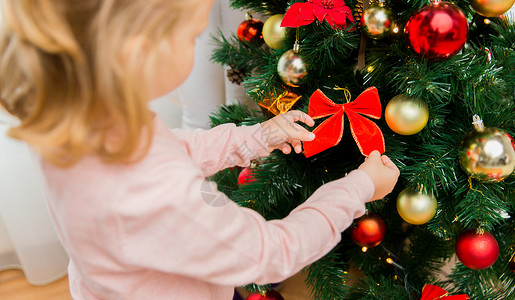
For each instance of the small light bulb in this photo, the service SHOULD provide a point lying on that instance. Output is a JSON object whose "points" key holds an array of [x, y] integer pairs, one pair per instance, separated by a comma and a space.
{"points": [[389, 260], [370, 69], [364, 249], [487, 21], [396, 30]]}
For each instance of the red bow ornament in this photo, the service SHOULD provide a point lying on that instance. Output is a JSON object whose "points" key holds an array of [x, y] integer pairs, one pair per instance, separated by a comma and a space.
{"points": [[366, 133], [335, 12], [433, 292]]}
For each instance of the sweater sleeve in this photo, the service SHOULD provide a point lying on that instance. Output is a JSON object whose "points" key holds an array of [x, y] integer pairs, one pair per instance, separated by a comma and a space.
{"points": [[191, 229], [223, 146]]}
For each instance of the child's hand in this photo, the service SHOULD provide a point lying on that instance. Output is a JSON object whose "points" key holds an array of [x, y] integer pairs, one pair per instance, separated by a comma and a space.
{"points": [[282, 130], [382, 171]]}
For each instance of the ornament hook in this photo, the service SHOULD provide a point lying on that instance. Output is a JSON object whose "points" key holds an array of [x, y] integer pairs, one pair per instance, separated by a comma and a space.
{"points": [[346, 92], [296, 46], [477, 122]]}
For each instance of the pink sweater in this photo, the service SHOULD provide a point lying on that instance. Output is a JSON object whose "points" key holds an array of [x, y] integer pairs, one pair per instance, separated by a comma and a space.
{"points": [[147, 231]]}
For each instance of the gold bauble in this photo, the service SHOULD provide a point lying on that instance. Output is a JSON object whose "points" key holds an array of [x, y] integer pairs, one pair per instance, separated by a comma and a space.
{"points": [[487, 154], [416, 207], [406, 115], [378, 21], [273, 34], [491, 8]]}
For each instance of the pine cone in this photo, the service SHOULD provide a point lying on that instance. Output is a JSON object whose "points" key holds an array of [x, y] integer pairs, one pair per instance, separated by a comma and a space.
{"points": [[235, 75], [358, 11]]}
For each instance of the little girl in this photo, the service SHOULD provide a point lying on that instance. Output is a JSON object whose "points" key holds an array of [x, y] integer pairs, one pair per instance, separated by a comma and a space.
{"points": [[125, 191]]}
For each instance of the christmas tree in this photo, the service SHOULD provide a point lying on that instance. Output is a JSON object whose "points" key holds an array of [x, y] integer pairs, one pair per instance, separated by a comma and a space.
{"points": [[445, 77]]}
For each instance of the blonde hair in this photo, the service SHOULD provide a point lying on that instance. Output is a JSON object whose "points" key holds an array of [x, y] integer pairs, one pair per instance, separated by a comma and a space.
{"points": [[64, 74]]}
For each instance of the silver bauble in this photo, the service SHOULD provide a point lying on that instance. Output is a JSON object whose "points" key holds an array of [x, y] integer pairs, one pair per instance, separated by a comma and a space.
{"points": [[378, 22], [488, 154], [292, 69]]}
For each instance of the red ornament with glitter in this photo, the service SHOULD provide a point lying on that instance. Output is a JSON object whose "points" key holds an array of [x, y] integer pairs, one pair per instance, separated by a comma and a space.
{"points": [[437, 31], [251, 30], [335, 12], [368, 230], [477, 250]]}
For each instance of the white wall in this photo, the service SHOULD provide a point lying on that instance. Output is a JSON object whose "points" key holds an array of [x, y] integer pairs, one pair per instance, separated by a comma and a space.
{"points": [[29, 238]]}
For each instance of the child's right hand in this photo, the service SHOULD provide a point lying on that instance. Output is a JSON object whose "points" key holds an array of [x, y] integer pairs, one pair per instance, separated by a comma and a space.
{"points": [[282, 131], [382, 171]]}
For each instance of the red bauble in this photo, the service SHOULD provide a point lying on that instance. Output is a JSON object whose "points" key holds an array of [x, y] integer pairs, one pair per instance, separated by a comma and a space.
{"points": [[477, 251], [368, 230], [251, 31], [270, 295], [246, 175], [437, 31]]}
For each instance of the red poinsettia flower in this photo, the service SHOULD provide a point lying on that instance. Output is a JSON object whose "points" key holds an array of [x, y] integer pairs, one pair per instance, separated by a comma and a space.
{"points": [[335, 12]]}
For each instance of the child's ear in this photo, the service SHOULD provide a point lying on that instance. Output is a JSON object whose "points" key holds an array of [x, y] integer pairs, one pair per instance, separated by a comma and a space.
{"points": [[133, 48]]}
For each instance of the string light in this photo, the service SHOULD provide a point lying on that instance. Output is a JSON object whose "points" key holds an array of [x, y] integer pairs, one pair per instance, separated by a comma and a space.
{"points": [[364, 249], [392, 262]]}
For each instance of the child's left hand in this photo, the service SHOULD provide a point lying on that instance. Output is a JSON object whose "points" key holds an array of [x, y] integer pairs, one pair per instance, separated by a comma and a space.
{"points": [[282, 131]]}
